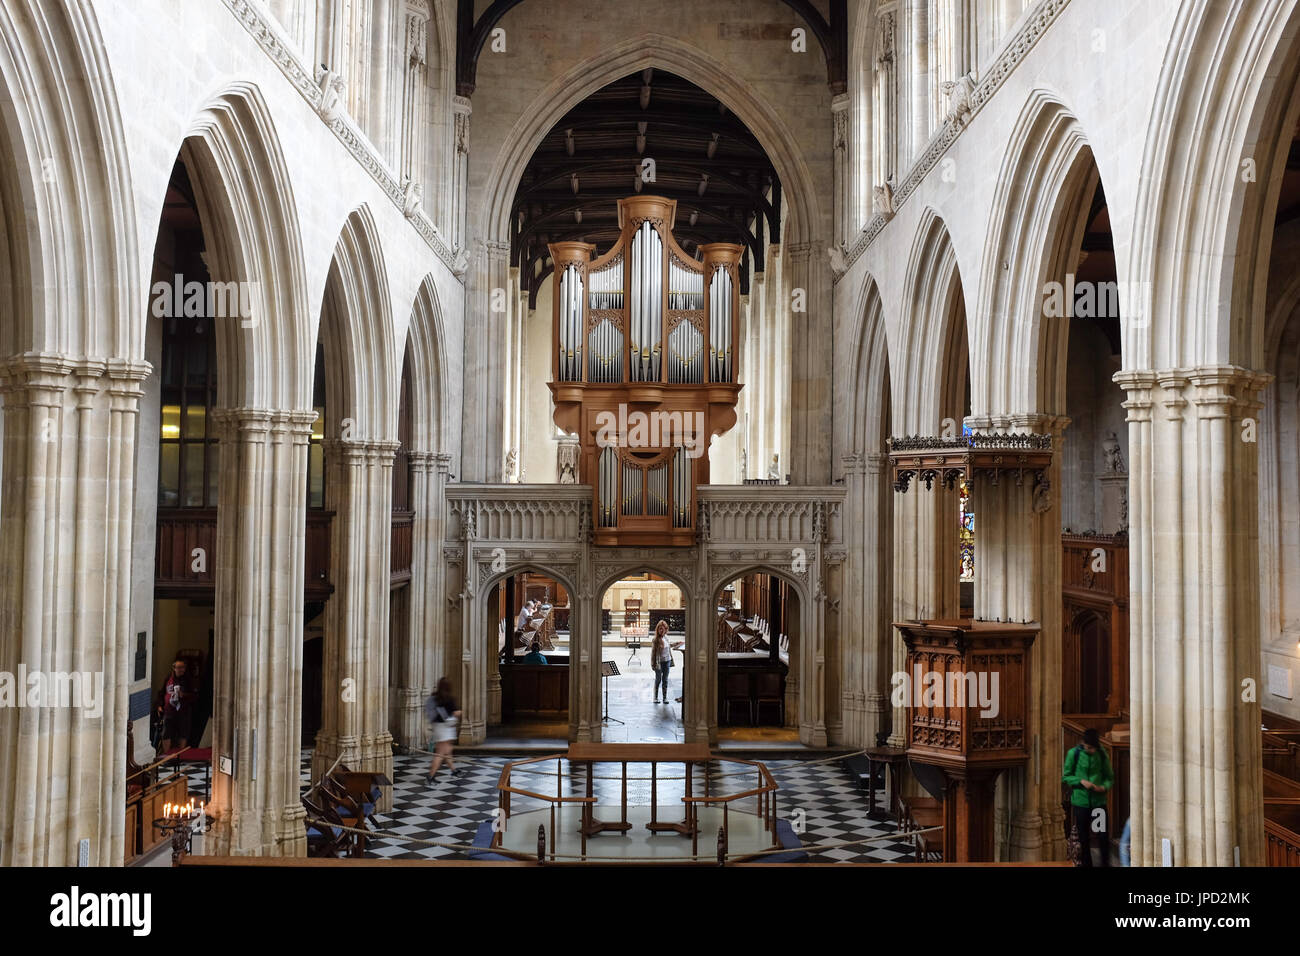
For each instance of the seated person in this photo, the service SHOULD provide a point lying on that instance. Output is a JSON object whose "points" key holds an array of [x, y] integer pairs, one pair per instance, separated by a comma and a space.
{"points": [[525, 615], [534, 655]]}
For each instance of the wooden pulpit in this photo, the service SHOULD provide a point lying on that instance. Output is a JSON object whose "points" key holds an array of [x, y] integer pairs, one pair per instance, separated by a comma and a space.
{"points": [[966, 690]]}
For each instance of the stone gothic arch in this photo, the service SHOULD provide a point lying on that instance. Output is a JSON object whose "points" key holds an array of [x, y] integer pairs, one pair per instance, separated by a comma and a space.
{"points": [[357, 320], [930, 353], [250, 226], [246, 205], [72, 297], [1039, 211], [805, 223], [867, 645]]}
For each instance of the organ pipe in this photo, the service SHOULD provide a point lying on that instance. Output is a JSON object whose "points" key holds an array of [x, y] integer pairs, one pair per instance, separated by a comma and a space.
{"points": [[646, 313]]}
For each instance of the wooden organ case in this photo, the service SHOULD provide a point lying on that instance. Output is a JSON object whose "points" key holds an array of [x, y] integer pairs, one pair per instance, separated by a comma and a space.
{"points": [[644, 370]]}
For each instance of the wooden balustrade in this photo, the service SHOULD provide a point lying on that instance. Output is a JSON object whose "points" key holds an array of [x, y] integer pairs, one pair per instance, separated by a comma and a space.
{"points": [[182, 530]]}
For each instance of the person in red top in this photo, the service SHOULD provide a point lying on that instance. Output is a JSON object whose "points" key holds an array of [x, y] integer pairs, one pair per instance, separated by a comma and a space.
{"points": [[177, 707]]}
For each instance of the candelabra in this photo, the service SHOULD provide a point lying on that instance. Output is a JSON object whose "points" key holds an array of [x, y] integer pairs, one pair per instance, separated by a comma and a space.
{"points": [[181, 821]]}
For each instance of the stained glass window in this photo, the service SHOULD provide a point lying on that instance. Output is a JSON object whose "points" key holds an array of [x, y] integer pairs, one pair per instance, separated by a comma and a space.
{"points": [[966, 534]]}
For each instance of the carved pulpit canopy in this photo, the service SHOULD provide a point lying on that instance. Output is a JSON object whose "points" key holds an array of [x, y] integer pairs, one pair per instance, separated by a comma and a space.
{"points": [[971, 458]]}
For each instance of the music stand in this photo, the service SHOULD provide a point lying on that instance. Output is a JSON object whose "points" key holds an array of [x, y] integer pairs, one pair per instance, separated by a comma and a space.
{"points": [[608, 669]]}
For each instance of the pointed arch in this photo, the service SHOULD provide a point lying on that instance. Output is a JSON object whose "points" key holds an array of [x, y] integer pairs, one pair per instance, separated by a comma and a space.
{"points": [[868, 422], [932, 358], [70, 276], [426, 349], [357, 326], [1212, 164], [804, 212], [250, 223], [1040, 210]]}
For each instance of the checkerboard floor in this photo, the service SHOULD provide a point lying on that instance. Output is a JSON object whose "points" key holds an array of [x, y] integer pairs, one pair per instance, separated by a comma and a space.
{"points": [[823, 799]]}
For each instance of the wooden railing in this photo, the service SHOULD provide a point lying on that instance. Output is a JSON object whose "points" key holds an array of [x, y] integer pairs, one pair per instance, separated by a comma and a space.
{"points": [[183, 530], [764, 793], [506, 789]]}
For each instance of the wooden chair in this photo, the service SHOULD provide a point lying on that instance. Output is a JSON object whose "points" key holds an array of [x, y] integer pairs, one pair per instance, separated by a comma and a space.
{"points": [[735, 690], [769, 692], [325, 838], [923, 813]]}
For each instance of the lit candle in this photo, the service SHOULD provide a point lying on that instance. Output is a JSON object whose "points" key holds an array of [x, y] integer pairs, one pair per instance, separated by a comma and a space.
{"points": [[167, 810]]}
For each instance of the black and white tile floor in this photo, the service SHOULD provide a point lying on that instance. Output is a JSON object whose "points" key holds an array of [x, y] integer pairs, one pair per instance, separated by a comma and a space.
{"points": [[822, 798]]}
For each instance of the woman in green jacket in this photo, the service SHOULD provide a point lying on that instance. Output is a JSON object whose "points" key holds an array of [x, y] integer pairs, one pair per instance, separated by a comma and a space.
{"points": [[1089, 776]]}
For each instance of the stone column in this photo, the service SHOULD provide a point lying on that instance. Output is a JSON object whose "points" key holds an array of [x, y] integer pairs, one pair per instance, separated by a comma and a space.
{"points": [[354, 708], [473, 660], [1194, 624], [867, 637], [460, 111], [415, 100], [486, 358], [1018, 579], [845, 220], [298, 17], [257, 698], [810, 362], [585, 652], [812, 681], [884, 105], [66, 524], [410, 686], [918, 37], [925, 573]]}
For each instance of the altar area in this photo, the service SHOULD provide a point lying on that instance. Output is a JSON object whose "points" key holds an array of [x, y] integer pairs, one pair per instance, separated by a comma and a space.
{"points": [[654, 595], [654, 802]]}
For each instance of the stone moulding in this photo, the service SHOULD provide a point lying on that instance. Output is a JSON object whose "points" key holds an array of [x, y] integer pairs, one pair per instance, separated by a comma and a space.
{"points": [[268, 37], [1043, 16]]}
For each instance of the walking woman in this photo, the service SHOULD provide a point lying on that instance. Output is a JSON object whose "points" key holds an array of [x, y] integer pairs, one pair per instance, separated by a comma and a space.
{"points": [[443, 713], [661, 657]]}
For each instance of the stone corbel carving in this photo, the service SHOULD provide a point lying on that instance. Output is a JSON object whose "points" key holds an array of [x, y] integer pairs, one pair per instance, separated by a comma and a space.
{"points": [[882, 202], [959, 92], [460, 265], [838, 263], [412, 197], [1042, 498], [331, 94], [1113, 455]]}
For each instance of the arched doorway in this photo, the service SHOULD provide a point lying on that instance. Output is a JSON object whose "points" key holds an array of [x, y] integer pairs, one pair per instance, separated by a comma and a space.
{"points": [[757, 649], [640, 707]]}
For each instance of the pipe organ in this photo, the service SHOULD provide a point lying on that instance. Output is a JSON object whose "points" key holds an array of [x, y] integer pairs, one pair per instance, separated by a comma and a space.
{"points": [[644, 370]]}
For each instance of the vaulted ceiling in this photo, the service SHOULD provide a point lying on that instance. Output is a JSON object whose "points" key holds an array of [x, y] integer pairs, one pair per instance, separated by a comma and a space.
{"points": [[702, 155]]}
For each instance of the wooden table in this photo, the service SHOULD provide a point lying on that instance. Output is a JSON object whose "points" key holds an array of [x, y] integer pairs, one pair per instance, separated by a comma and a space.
{"points": [[881, 757], [653, 754]]}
